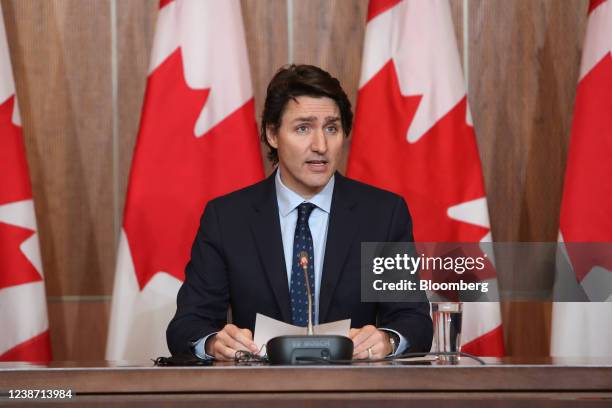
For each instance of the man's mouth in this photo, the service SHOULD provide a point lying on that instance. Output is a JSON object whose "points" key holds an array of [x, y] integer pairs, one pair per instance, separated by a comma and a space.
{"points": [[317, 165]]}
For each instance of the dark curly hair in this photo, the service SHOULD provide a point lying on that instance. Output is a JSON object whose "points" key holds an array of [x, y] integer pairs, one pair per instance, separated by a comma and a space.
{"points": [[292, 81]]}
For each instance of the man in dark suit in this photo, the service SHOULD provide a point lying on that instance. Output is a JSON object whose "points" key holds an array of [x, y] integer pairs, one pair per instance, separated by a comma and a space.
{"points": [[253, 245]]}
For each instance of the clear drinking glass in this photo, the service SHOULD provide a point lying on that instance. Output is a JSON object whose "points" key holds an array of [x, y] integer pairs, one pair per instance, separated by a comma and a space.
{"points": [[447, 328]]}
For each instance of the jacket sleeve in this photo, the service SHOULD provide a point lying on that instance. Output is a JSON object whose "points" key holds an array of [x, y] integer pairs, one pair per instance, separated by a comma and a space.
{"points": [[202, 300], [411, 319]]}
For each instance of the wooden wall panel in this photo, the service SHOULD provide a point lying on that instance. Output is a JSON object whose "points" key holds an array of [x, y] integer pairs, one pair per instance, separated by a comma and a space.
{"points": [[78, 329], [265, 26], [524, 59], [457, 14], [527, 328], [523, 67], [330, 34], [60, 52], [135, 31]]}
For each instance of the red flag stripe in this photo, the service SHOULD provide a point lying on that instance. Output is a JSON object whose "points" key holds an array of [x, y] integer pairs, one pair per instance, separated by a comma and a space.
{"points": [[586, 206], [490, 344], [594, 4], [36, 349], [163, 3], [377, 7], [587, 197]]}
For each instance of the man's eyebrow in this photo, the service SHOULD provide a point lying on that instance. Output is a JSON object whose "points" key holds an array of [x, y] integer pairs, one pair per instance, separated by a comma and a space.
{"points": [[314, 119], [305, 119]]}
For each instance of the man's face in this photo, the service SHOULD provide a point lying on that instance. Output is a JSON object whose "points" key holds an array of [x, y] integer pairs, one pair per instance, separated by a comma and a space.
{"points": [[309, 143]]}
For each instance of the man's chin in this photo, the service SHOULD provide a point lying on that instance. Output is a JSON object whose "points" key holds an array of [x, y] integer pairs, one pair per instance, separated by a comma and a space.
{"points": [[318, 181]]}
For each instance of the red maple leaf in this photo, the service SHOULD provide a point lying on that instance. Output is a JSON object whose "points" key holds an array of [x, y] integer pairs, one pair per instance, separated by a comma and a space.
{"points": [[175, 173], [15, 268], [376, 7], [14, 179], [440, 170]]}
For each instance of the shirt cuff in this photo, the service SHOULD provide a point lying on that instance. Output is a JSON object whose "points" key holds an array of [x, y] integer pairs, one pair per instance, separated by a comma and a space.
{"points": [[403, 343], [199, 348]]}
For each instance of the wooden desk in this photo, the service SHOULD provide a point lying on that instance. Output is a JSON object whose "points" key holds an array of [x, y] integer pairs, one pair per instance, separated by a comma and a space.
{"points": [[501, 383]]}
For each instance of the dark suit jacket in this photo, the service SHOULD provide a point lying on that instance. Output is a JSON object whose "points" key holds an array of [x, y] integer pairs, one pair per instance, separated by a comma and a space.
{"points": [[237, 259]]}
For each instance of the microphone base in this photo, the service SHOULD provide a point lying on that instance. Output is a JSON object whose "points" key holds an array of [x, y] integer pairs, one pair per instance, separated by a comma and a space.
{"points": [[285, 350]]}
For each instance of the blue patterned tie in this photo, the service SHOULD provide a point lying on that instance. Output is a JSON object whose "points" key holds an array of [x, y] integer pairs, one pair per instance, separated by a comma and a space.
{"points": [[302, 251]]}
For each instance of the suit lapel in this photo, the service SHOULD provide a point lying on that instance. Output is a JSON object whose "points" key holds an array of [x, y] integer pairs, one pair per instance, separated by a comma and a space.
{"points": [[267, 234], [340, 234]]}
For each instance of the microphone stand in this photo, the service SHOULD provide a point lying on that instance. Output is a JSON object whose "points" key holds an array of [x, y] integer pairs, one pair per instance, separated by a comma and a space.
{"points": [[303, 349], [304, 264]]}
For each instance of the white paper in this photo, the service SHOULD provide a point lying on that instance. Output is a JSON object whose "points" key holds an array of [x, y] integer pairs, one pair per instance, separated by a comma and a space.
{"points": [[267, 328]]}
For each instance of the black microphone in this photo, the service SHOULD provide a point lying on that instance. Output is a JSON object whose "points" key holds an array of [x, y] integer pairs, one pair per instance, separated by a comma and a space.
{"points": [[306, 349]]}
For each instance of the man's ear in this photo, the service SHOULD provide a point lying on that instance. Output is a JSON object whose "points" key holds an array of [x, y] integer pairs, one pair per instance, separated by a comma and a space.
{"points": [[272, 137]]}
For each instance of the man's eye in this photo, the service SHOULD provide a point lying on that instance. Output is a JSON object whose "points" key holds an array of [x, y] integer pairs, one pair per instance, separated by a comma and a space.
{"points": [[331, 129], [301, 129]]}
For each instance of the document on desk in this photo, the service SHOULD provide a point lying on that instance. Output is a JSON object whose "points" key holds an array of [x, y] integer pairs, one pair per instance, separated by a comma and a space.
{"points": [[267, 328]]}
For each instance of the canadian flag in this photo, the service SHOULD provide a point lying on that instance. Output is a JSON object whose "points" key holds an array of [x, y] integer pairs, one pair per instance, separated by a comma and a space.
{"points": [[413, 135], [197, 140], [585, 329], [24, 328]]}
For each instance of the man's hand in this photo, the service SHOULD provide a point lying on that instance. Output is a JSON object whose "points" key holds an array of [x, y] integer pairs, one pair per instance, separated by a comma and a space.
{"points": [[369, 337], [223, 345]]}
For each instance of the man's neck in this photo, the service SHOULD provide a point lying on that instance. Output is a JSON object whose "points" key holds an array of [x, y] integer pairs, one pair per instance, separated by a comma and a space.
{"points": [[288, 199], [305, 195]]}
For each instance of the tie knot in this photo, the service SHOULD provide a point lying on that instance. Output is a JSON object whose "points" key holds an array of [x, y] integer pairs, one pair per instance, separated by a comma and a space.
{"points": [[304, 211]]}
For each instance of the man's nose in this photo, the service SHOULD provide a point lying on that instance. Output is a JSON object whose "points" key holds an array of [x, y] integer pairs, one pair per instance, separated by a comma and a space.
{"points": [[319, 142]]}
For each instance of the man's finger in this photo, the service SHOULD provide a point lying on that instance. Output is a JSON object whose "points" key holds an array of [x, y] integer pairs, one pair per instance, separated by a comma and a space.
{"points": [[363, 347], [219, 347], [241, 341], [377, 350], [243, 337], [250, 343], [231, 329], [374, 338], [374, 351], [222, 352], [247, 333], [236, 345], [363, 335]]}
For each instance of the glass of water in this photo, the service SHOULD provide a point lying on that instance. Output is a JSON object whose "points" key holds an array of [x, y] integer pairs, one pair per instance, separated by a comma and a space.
{"points": [[447, 329]]}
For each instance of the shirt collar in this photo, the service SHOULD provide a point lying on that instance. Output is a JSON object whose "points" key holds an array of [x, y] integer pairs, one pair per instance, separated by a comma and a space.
{"points": [[288, 199]]}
